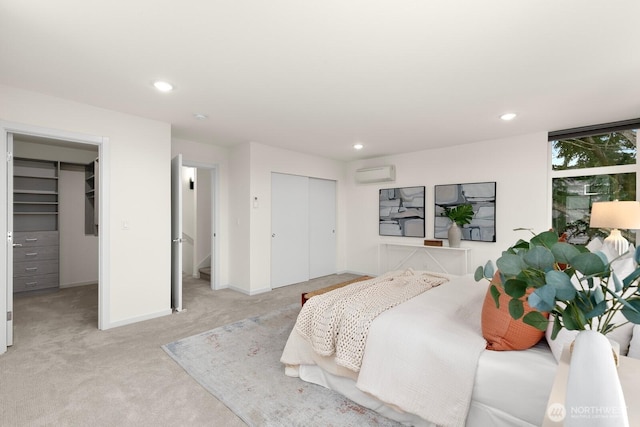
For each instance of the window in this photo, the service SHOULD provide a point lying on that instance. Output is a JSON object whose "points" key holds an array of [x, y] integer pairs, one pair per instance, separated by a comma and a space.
{"points": [[589, 165]]}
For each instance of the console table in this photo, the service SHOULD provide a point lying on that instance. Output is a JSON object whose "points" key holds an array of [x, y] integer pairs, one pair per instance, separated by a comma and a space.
{"points": [[444, 259]]}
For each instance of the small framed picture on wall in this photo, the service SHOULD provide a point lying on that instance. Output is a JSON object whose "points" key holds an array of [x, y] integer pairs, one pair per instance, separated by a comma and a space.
{"points": [[402, 211], [481, 196]]}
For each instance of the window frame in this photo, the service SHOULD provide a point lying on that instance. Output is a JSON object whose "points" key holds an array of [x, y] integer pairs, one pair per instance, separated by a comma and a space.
{"points": [[600, 170]]}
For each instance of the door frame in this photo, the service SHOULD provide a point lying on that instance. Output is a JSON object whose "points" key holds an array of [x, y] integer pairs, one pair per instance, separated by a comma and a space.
{"points": [[176, 233], [104, 306], [215, 217]]}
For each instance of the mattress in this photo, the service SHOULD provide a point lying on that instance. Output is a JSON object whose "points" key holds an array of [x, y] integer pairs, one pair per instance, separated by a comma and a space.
{"points": [[503, 379]]}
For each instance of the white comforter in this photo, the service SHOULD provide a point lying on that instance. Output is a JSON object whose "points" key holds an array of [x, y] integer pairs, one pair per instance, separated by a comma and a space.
{"points": [[420, 356]]}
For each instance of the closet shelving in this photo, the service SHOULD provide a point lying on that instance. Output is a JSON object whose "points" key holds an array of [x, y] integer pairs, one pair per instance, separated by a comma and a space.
{"points": [[91, 198], [35, 195], [35, 225]]}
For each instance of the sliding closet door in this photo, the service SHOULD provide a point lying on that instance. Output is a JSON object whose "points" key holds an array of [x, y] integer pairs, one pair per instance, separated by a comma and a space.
{"points": [[322, 227], [289, 229]]}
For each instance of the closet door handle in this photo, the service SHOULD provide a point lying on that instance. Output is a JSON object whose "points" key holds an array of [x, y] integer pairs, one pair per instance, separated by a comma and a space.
{"points": [[31, 268], [17, 245], [31, 254], [32, 239]]}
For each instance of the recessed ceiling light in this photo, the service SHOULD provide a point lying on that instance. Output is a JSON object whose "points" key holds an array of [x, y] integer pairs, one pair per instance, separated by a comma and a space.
{"points": [[508, 116], [163, 86], [358, 146], [199, 116]]}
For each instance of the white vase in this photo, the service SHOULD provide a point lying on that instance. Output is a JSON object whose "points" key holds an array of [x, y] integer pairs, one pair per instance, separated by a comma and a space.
{"points": [[593, 385], [615, 349], [454, 235]]}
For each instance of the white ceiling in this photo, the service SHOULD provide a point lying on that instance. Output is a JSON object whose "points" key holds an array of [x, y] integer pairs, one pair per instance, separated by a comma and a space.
{"points": [[317, 76]]}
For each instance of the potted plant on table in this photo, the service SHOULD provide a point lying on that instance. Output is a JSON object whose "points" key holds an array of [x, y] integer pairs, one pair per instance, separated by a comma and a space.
{"points": [[580, 289], [459, 215]]}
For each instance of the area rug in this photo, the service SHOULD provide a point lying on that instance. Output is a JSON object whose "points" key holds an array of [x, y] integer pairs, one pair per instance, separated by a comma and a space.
{"points": [[240, 365]]}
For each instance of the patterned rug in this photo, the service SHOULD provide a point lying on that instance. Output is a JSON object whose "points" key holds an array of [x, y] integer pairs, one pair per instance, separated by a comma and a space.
{"points": [[240, 365]]}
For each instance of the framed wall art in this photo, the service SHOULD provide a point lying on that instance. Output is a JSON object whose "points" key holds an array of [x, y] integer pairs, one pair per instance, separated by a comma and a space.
{"points": [[402, 211], [482, 198]]}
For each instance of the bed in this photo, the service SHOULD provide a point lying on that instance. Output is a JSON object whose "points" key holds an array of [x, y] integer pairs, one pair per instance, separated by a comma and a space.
{"points": [[425, 362]]}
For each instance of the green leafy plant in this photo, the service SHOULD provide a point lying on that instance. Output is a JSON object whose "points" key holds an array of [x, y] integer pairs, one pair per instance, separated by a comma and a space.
{"points": [[547, 266], [461, 214]]}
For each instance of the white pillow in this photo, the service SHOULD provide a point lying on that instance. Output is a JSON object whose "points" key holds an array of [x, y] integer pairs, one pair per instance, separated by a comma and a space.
{"points": [[634, 346]]}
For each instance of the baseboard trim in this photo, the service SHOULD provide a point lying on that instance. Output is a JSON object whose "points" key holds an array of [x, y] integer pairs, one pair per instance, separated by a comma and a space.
{"points": [[137, 319], [260, 291], [73, 285], [250, 293]]}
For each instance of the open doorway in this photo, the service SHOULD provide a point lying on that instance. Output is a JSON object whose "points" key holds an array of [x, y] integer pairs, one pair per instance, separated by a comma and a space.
{"points": [[196, 223], [194, 212], [199, 214], [60, 158]]}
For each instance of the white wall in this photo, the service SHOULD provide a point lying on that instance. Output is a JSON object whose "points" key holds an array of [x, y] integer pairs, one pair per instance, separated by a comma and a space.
{"points": [[238, 212], [188, 219], [139, 153], [245, 173], [519, 165], [203, 218]]}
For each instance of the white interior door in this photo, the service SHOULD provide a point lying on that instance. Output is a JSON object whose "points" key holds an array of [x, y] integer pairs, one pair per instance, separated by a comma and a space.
{"points": [[289, 229], [322, 227], [176, 233]]}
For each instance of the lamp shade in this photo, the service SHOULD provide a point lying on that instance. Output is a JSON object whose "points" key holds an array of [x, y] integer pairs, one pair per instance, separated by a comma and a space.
{"points": [[617, 214]]}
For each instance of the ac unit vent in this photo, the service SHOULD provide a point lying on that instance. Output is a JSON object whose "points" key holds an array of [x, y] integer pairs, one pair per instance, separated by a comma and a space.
{"points": [[377, 174]]}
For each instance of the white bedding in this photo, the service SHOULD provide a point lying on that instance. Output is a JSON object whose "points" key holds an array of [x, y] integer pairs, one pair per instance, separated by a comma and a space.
{"points": [[422, 356], [508, 389]]}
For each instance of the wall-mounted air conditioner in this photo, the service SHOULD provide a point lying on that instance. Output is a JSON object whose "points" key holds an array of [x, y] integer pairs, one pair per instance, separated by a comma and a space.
{"points": [[377, 174]]}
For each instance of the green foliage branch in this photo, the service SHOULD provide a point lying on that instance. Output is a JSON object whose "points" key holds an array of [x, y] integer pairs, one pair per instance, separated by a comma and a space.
{"points": [[547, 266]]}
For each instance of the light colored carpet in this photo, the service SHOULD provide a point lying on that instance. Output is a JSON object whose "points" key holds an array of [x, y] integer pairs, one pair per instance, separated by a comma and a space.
{"points": [[63, 371], [240, 364]]}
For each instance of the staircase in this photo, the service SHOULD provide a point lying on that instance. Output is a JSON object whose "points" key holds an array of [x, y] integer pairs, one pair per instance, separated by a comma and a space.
{"points": [[205, 273]]}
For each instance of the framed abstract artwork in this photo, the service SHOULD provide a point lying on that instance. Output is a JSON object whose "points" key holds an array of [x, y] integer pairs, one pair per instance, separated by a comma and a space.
{"points": [[402, 211], [482, 198]]}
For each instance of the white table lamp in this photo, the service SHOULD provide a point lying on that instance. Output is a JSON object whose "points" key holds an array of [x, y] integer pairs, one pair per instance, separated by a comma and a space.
{"points": [[616, 215]]}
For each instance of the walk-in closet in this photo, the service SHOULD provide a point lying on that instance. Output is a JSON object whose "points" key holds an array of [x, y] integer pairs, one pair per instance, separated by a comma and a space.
{"points": [[55, 214]]}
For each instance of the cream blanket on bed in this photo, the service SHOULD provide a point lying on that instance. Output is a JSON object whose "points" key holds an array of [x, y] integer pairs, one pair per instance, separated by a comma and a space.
{"points": [[338, 322]]}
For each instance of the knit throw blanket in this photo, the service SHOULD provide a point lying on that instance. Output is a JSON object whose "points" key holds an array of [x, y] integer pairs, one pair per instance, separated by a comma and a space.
{"points": [[337, 322]]}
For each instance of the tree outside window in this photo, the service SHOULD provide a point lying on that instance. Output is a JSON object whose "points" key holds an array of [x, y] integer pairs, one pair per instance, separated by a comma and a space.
{"points": [[587, 169]]}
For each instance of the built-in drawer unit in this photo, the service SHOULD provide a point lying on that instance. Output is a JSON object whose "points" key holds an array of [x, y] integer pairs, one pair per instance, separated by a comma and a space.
{"points": [[35, 260], [31, 268], [37, 253], [35, 282], [35, 238]]}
